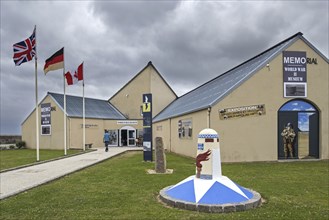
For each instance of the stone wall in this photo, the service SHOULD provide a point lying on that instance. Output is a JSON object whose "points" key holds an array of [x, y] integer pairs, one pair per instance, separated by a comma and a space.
{"points": [[10, 139]]}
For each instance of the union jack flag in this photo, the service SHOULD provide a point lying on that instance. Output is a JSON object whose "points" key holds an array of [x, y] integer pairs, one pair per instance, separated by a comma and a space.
{"points": [[25, 50]]}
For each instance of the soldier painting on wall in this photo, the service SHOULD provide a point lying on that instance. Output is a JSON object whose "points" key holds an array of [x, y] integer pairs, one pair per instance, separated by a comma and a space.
{"points": [[288, 134]]}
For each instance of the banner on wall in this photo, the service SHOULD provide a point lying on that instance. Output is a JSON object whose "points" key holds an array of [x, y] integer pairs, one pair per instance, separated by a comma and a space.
{"points": [[147, 126], [242, 111], [45, 119], [294, 73]]}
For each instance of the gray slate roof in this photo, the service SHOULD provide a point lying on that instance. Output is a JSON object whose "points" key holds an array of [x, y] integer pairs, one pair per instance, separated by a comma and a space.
{"points": [[94, 108], [215, 90]]}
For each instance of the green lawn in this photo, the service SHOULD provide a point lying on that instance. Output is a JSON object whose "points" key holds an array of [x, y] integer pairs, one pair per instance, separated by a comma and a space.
{"points": [[15, 158], [119, 188]]}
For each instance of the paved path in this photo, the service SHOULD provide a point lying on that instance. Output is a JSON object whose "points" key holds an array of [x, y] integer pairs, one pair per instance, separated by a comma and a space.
{"points": [[20, 180]]}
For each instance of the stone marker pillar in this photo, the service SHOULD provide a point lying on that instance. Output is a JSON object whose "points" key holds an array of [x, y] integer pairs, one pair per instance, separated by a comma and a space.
{"points": [[160, 158], [208, 162]]}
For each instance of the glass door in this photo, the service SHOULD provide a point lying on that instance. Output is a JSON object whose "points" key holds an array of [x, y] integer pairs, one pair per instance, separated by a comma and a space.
{"points": [[131, 137]]}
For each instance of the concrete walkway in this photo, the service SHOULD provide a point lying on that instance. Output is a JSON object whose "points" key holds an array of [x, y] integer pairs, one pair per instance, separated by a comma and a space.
{"points": [[19, 180]]}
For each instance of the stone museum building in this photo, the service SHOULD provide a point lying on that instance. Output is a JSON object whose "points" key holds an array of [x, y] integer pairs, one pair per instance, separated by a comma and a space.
{"points": [[249, 106]]}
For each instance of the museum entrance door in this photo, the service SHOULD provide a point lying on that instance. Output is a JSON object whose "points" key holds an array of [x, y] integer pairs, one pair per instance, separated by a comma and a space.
{"points": [[286, 117], [303, 118], [127, 136]]}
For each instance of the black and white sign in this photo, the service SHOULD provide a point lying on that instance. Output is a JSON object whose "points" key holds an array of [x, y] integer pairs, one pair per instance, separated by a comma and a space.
{"points": [[45, 119], [295, 73], [45, 114], [294, 66]]}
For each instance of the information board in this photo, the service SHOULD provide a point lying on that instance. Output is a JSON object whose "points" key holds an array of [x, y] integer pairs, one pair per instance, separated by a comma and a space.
{"points": [[147, 127]]}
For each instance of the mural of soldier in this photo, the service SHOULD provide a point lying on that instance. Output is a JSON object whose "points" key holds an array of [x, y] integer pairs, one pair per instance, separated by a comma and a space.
{"points": [[288, 134]]}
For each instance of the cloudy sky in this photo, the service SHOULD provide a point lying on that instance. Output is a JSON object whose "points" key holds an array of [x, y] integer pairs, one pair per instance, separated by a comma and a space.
{"points": [[189, 42]]}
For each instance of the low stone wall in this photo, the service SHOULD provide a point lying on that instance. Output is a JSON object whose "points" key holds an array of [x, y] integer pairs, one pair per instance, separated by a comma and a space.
{"points": [[211, 208], [10, 139]]}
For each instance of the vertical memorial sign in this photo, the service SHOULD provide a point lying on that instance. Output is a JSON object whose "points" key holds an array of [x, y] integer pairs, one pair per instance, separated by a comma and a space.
{"points": [[294, 74], [147, 127], [45, 119]]}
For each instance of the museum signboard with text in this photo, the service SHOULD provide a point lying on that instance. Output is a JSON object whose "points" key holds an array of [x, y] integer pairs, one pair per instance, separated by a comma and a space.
{"points": [[242, 111], [295, 73], [46, 119]]}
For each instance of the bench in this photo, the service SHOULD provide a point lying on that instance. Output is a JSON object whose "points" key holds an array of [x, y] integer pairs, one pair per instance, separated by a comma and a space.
{"points": [[89, 145]]}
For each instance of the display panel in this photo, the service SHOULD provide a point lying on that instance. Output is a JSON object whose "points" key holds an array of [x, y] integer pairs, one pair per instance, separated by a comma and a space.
{"points": [[185, 129], [113, 137]]}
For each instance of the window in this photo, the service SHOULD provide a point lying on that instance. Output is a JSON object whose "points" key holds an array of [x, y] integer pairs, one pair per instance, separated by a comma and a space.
{"points": [[185, 129], [295, 89], [45, 130]]}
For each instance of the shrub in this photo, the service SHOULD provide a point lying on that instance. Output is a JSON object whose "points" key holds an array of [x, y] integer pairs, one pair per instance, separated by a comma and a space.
{"points": [[12, 147], [20, 144]]}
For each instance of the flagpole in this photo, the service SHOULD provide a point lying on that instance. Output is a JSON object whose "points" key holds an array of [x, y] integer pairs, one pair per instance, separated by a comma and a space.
{"points": [[36, 96], [64, 104], [83, 111]]}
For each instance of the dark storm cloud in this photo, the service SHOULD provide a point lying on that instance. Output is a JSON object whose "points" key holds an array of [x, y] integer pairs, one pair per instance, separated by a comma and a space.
{"points": [[133, 16], [189, 42], [209, 39]]}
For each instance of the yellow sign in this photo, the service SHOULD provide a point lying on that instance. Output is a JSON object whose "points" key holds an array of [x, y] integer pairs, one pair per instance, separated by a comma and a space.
{"points": [[147, 107]]}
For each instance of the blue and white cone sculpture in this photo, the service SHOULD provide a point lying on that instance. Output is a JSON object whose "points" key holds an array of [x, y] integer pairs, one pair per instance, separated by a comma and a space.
{"points": [[208, 190]]}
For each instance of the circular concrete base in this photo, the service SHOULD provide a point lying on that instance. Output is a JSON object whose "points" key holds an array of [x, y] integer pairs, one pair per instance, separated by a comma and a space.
{"points": [[254, 202]]}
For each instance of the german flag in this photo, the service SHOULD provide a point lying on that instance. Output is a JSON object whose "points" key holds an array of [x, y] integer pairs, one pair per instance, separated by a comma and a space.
{"points": [[55, 62]]}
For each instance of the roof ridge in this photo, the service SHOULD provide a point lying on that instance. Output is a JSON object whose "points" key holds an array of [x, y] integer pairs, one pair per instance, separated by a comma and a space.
{"points": [[50, 93], [116, 109], [248, 68], [102, 109], [135, 76], [150, 63], [230, 70]]}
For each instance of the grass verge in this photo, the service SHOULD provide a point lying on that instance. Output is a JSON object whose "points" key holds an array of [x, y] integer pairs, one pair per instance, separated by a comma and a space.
{"points": [[119, 188], [20, 157]]}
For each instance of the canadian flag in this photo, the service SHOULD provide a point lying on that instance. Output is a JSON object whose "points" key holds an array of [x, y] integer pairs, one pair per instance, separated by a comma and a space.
{"points": [[74, 78]]}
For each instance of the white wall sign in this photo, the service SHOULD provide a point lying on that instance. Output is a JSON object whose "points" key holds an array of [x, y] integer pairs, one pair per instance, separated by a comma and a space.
{"points": [[127, 122]]}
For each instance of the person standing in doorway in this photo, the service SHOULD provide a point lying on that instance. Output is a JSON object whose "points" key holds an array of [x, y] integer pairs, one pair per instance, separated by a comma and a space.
{"points": [[106, 140]]}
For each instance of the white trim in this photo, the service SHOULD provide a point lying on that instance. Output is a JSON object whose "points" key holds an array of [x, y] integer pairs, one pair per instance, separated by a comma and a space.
{"points": [[125, 122], [128, 128]]}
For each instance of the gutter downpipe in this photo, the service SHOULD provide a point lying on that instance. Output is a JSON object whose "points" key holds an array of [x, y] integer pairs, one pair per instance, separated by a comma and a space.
{"points": [[208, 117], [169, 134], [69, 141]]}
